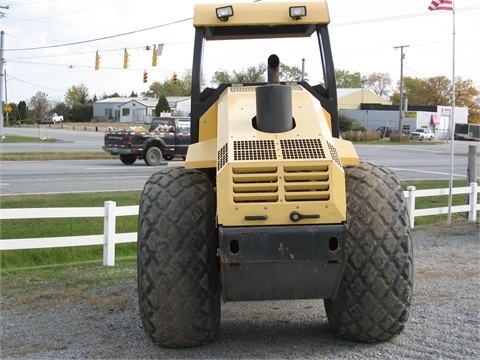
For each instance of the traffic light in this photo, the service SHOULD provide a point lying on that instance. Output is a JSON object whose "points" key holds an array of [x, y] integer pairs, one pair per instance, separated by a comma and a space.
{"points": [[174, 78], [97, 61], [125, 59], [145, 74], [154, 56]]}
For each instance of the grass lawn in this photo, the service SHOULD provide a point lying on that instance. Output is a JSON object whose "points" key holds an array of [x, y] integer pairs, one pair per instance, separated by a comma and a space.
{"points": [[62, 155], [11, 139], [33, 228]]}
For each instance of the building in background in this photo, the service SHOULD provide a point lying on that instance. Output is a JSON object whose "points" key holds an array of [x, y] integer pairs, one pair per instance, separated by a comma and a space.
{"points": [[361, 105], [372, 112], [136, 110]]}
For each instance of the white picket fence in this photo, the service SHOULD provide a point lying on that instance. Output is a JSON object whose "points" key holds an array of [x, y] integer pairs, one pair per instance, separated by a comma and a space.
{"points": [[471, 208], [108, 239], [110, 212]]}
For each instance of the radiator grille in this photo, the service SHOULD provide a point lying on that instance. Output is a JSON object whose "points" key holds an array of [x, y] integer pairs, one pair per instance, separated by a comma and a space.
{"points": [[254, 150], [222, 156], [306, 183], [334, 154], [240, 88], [302, 149], [256, 184], [265, 184]]}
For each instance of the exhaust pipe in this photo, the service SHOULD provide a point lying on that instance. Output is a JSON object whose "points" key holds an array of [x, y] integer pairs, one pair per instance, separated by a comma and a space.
{"points": [[273, 71], [274, 101]]}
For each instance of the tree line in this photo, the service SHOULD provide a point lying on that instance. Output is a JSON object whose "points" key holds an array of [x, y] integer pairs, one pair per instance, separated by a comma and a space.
{"points": [[77, 105]]}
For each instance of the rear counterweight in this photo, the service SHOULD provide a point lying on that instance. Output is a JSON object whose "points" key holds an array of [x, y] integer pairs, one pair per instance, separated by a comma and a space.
{"points": [[281, 262]]}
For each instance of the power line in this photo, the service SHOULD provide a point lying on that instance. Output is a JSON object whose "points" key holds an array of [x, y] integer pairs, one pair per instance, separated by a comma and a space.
{"points": [[187, 19], [396, 17], [102, 38], [37, 85]]}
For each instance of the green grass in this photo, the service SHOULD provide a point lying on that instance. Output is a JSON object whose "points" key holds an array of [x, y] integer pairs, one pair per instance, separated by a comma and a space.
{"points": [[437, 201], [33, 228], [64, 155], [30, 228], [11, 139]]}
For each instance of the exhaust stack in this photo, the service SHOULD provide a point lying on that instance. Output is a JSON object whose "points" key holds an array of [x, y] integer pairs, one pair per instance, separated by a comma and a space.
{"points": [[274, 102]]}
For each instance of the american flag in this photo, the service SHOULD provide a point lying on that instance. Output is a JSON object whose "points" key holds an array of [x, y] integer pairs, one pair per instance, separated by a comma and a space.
{"points": [[441, 5]]}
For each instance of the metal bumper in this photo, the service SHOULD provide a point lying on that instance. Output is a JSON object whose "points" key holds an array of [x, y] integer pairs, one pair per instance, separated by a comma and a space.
{"points": [[281, 262], [117, 150]]}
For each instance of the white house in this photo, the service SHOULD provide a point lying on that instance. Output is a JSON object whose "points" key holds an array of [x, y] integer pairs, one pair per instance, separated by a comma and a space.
{"points": [[136, 110]]}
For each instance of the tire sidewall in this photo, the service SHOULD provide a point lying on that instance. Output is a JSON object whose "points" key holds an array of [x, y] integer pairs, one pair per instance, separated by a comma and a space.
{"points": [[178, 278], [153, 156], [374, 297]]}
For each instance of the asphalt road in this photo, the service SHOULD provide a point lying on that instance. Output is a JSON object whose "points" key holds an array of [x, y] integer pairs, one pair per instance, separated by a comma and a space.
{"points": [[409, 162], [421, 161], [66, 139]]}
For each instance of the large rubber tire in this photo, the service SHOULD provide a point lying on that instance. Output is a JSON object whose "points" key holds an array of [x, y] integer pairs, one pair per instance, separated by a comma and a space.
{"points": [[153, 156], [374, 297], [127, 159], [178, 277]]}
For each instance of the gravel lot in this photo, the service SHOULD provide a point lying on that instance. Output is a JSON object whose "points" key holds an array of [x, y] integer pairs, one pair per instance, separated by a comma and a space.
{"points": [[46, 317]]}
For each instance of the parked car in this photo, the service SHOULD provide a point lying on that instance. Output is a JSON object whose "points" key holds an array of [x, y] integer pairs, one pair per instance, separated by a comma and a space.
{"points": [[51, 118], [422, 134], [385, 131]]}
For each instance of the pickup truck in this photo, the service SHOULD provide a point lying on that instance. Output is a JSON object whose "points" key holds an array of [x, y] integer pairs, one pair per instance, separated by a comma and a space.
{"points": [[422, 134], [166, 138], [51, 118]]}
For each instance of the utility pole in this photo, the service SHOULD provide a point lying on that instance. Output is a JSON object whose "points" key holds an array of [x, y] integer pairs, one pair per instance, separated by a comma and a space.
{"points": [[400, 106], [7, 120], [2, 73], [2, 14], [303, 69]]}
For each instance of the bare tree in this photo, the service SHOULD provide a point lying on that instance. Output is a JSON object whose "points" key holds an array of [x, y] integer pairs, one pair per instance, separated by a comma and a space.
{"points": [[379, 83], [39, 105]]}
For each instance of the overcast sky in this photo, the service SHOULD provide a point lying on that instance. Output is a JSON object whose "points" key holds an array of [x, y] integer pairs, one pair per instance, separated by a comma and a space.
{"points": [[364, 35]]}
